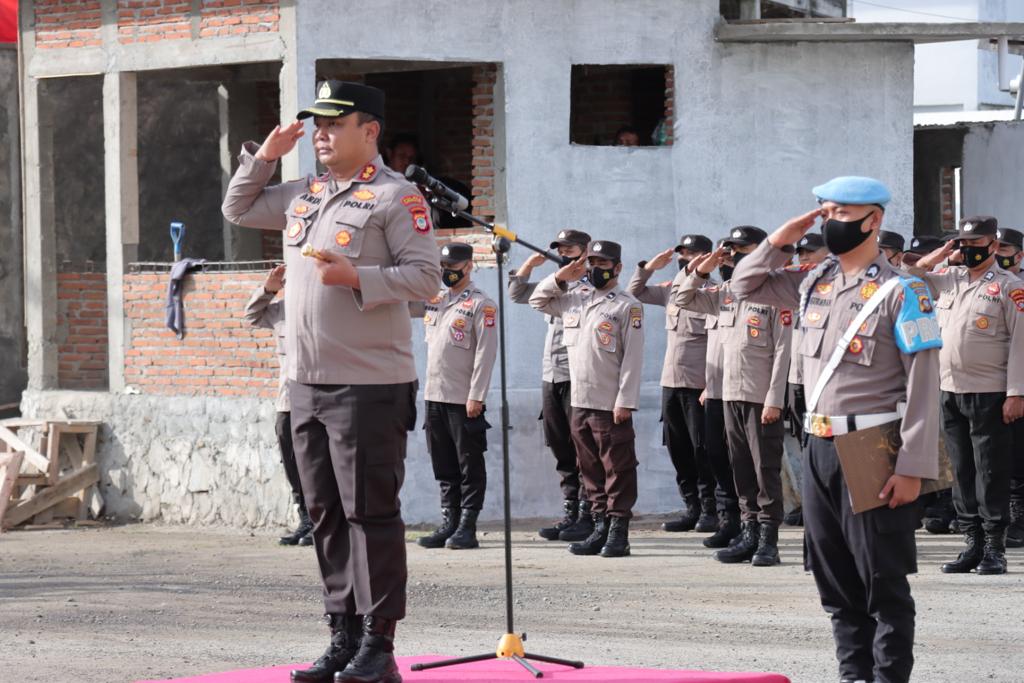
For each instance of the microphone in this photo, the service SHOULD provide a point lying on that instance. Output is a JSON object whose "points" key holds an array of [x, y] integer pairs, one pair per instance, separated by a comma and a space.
{"points": [[419, 175]]}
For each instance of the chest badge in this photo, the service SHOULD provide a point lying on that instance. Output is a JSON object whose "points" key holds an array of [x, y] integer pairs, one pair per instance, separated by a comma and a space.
{"points": [[343, 238], [823, 288], [856, 346], [993, 289], [293, 230], [364, 195], [301, 209], [868, 290], [981, 323]]}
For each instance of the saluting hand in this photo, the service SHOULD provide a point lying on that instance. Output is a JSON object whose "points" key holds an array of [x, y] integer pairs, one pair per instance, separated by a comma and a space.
{"points": [[792, 230], [660, 261], [1013, 409], [280, 141], [573, 271], [707, 263], [929, 261], [620, 415], [903, 489], [336, 270]]}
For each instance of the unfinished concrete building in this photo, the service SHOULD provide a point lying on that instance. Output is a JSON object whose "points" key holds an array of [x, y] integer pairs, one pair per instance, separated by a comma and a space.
{"points": [[134, 111]]}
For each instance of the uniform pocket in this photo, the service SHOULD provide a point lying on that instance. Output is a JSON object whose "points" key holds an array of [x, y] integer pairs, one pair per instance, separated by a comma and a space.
{"points": [[893, 552], [459, 336], [349, 231], [810, 342], [606, 336]]}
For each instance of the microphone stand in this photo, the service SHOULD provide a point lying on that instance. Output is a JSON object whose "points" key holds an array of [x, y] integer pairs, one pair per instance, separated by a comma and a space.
{"points": [[510, 647]]}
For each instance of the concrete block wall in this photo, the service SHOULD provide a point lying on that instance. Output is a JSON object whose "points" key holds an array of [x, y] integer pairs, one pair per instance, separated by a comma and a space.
{"points": [[82, 330]]}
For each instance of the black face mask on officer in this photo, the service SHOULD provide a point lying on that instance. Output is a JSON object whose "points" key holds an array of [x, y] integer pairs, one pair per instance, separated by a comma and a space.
{"points": [[600, 277], [844, 236], [682, 262], [1007, 262], [451, 277], [975, 256]]}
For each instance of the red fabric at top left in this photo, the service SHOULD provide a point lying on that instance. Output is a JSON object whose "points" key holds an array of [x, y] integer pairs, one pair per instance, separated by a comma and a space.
{"points": [[8, 21]]}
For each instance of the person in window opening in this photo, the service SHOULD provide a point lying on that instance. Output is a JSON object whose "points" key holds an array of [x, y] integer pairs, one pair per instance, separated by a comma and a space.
{"points": [[627, 136]]}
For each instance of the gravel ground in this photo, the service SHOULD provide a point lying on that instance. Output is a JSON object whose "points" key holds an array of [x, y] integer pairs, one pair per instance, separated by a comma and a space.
{"points": [[148, 601]]}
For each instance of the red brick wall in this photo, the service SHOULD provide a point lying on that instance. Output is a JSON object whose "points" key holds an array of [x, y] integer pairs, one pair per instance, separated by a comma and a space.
{"points": [[67, 23], [148, 21], [220, 354], [82, 331], [947, 199], [484, 78], [234, 17]]}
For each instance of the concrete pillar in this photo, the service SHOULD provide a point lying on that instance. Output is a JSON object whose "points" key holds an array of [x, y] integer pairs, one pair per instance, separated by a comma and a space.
{"points": [[121, 190], [237, 109], [298, 85]]}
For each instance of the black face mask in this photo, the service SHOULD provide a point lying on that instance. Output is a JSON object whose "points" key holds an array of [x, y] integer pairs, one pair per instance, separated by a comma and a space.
{"points": [[450, 278], [683, 263], [844, 236], [600, 277], [1007, 262], [725, 271], [975, 256]]}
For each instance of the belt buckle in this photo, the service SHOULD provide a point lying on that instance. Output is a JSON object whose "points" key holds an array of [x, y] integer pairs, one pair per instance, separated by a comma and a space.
{"points": [[821, 426]]}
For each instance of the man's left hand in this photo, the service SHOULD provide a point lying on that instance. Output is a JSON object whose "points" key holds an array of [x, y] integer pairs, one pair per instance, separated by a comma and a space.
{"points": [[1013, 409], [620, 415], [902, 488], [770, 415], [474, 408], [337, 270]]}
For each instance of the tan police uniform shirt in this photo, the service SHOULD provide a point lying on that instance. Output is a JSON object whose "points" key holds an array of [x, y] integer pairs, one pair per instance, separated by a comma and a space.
{"points": [[755, 340], [686, 345], [462, 343], [380, 221], [982, 326], [263, 311], [555, 366], [603, 332], [874, 375]]}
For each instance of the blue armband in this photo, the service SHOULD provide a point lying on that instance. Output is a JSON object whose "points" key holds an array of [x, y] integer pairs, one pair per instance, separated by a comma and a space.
{"points": [[917, 328]]}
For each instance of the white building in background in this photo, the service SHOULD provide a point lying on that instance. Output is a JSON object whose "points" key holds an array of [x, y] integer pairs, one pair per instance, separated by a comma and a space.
{"points": [[950, 77]]}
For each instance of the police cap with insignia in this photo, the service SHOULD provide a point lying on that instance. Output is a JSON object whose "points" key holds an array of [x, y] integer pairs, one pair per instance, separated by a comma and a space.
{"points": [[604, 249], [853, 189], [887, 239], [743, 235], [569, 238], [340, 98], [977, 226], [925, 244], [812, 241], [1012, 237], [456, 252], [698, 243]]}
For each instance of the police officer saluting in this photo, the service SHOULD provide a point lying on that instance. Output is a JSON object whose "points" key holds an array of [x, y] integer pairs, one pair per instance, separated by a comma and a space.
{"points": [[858, 372], [461, 346], [556, 405], [982, 370], [1008, 256], [603, 332], [892, 245], [352, 379]]}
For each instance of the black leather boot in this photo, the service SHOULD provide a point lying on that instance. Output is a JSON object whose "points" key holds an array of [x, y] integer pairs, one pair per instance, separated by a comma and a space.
{"points": [[707, 521], [971, 555], [993, 559], [449, 522], [346, 632], [464, 537], [939, 517], [767, 553], [617, 544], [728, 529], [572, 513], [743, 550], [687, 521], [1015, 532], [584, 526], [375, 661], [304, 529], [593, 543]]}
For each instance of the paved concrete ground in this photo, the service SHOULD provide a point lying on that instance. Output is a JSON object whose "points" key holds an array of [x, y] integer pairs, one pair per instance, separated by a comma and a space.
{"points": [[144, 601]]}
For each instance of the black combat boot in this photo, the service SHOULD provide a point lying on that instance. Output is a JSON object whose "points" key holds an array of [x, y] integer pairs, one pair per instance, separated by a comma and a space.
{"points": [[940, 516], [743, 549], [707, 521], [593, 543], [728, 529], [993, 559], [449, 522], [617, 544], [767, 553], [688, 520], [346, 632], [971, 555], [794, 517], [584, 526], [464, 537], [1015, 532], [304, 529], [572, 513], [375, 661]]}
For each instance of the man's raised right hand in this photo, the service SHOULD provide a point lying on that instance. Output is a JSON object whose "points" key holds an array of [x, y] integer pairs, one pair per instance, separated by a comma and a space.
{"points": [[280, 141]]}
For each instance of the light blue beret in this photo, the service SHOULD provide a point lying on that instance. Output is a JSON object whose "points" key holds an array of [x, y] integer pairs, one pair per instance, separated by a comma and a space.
{"points": [[853, 190]]}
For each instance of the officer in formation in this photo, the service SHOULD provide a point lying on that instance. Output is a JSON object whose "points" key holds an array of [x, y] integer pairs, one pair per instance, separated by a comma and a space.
{"points": [[892, 245], [359, 246], [603, 332], [1009, 253], [462, 343], [982, 382], [263, 311], [682, 382], [756, 349], [869, 351], [556, 404]]}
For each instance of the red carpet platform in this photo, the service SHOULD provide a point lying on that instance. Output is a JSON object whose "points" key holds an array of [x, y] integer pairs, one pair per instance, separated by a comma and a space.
{"points": [[510, 672]]}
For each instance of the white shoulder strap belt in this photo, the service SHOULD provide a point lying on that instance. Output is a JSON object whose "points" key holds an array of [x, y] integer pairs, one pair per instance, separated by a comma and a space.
{"points": [[844, 342]]}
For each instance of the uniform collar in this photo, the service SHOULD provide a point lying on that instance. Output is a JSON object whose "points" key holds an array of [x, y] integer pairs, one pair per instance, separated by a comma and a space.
{"points": [[875, 270], [599, 295], [466, 295], [989, 276], [367, 174]]}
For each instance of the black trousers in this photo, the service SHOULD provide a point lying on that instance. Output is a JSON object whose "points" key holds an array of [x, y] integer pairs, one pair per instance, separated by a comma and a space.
{"points": [[717, 449], [755, 452], [457, 456], [860, 564], [979, 446], [1017, 453], [350, 449], [283, 428], [683, 426], [556, 413]]}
